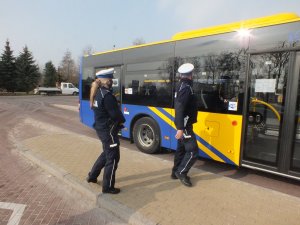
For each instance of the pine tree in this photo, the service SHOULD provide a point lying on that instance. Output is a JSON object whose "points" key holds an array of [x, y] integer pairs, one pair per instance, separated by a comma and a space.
{"points": [[7, 70], [50, 75], [27, 71]]}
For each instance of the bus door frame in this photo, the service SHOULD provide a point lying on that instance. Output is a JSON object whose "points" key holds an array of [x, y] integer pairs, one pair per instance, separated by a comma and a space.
{"points": [[288, 123]]}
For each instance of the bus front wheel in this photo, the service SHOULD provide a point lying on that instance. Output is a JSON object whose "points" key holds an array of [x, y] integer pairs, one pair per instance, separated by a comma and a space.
{"points": [[146, 135]]}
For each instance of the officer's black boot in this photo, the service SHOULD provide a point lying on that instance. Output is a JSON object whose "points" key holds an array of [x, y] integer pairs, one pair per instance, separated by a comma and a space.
{"points": [[111, 191], [174, 177], [184, 179], [91, 180]]}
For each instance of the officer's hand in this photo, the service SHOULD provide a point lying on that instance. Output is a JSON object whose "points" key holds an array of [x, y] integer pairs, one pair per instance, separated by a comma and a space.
{"points": [[121, 126], [179, 134]]}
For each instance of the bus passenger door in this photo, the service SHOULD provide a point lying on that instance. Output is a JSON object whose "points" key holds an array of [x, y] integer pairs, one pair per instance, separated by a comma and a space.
{"points": [[270, 127], [294, 167]]}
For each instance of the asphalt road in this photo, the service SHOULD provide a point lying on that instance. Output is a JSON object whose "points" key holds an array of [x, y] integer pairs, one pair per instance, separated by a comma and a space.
{"points": [[45, 109]]}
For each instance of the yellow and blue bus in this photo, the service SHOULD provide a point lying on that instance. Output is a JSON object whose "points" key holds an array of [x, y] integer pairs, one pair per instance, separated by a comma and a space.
{"points": [[246, 80]]}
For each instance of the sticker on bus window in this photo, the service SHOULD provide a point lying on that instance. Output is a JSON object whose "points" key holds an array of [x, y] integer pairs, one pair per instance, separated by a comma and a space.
{"points": [[126, 112], [115, 82], [232, 106], [265, 85], [128, 91]]}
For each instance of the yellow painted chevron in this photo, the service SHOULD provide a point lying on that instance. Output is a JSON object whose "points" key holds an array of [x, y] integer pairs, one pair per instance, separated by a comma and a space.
{"points": [[208, 152], [162, 116]]}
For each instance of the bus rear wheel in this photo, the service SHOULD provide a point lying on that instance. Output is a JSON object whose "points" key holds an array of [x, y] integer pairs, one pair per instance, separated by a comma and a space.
{"points": [[146, 135]]}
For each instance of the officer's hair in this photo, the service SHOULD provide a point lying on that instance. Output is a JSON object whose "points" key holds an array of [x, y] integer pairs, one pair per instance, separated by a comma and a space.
{"points": [[186, 75], [103, 82], [94, 87]]}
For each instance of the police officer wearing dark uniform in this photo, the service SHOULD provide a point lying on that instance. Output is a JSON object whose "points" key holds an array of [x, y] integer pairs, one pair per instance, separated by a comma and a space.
{"points": [[185, 117], [108, 121]]}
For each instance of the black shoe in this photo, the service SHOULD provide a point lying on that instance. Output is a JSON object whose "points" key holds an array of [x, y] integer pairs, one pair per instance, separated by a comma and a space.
{"points": [[111, 191], [90, 180], [184, 179], [173, 176]]}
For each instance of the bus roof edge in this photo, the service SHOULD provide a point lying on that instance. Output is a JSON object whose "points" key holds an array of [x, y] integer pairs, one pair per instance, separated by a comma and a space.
{"points": [[219, 29], [245, 24]]}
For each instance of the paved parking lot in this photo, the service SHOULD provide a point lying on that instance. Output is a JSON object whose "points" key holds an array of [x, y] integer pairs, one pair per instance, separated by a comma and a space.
{"points": [[53, 138]]}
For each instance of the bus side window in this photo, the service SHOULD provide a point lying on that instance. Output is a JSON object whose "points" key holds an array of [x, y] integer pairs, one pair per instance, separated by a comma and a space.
{"points": [[152, 88], [214, 96]]}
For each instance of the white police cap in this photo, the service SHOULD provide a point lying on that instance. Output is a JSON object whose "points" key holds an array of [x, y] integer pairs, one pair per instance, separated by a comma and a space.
{"points": [[186, 68], [107, 73]]}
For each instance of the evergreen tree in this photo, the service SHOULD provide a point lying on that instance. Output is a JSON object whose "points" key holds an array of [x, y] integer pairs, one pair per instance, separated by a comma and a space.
{"points": [[7, 70], [50, 75], [27, 71]]}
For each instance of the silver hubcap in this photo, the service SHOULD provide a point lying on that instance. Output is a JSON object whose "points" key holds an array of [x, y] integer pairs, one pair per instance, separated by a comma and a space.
{"points": [[146, 135]]}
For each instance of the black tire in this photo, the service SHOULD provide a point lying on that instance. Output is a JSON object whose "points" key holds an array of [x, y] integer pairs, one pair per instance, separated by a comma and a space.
{"points": [[146, 135]]}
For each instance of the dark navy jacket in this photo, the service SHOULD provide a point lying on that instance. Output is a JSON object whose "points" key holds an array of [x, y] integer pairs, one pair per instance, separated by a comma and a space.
{"points": [[106, 110], [185, 105]]}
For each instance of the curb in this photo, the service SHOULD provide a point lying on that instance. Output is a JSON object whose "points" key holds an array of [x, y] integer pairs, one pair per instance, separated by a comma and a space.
{"points": [[60, 174], [99, 200]]}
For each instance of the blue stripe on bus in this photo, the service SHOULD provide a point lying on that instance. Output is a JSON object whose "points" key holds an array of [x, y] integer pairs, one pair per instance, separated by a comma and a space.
{"points": [[214, 150], [203, 154], [165, 113]]}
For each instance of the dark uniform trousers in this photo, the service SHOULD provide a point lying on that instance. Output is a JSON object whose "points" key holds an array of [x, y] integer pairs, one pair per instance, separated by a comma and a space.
{"points": [[186, 153], [109, 158]]}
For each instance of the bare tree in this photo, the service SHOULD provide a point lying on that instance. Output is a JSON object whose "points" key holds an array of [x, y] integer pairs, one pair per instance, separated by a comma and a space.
{"points": [[68, 70], [210, 66], [139, 41], [88, 50]]}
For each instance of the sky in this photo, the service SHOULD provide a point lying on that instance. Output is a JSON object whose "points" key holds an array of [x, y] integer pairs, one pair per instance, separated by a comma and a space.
{"points": [[50, 28]]}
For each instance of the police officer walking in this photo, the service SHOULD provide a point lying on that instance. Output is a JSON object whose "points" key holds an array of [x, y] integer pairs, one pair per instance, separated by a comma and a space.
{"points": [[108, 121], [185, 117]]}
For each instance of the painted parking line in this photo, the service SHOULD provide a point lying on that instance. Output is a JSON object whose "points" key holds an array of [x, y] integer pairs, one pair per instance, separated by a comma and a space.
{"points": [[18, 210]]}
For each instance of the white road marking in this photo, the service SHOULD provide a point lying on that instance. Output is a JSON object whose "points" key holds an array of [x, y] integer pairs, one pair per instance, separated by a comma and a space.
{"points": [[67, 107], [18, 210]]}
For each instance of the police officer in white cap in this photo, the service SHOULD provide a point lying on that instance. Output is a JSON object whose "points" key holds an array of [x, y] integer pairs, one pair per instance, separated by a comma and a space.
{"points": [[108, 121], [185, 117]]}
